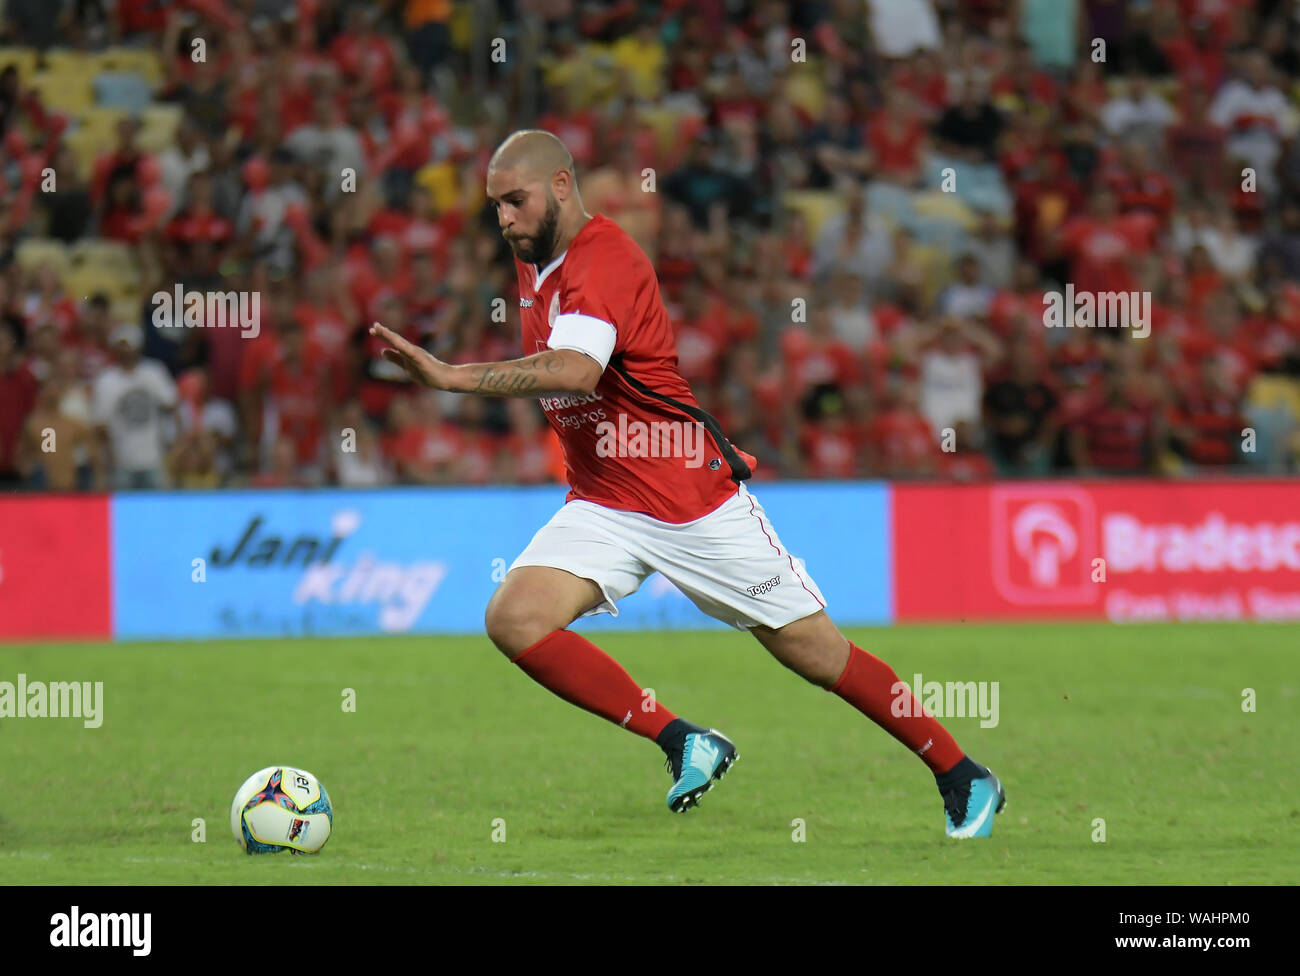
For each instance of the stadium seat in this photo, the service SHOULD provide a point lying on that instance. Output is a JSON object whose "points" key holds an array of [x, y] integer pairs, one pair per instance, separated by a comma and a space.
{"points": [[66, 91], [939, 206], [87, 145], [816, 206], [936, 267], [24, 59], [666, 123], [36, 251], [107, 255], [120, 89], [942, 233], [136, 61], [890, 200], [124, 309], [82, 282], [159, 126], [101, 120]]}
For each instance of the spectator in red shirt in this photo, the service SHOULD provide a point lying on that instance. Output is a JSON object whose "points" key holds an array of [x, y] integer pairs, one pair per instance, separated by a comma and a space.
{"points": [[966, 462], [1021, 86], [897, 140], [47, 302], [198, 238], [1196, 141], [1205, 423], [1116, 434], [17, 399], [424, 448], [364, 56], [1101, 245], [1140, 186], [814, 357], [899, 440], [924, 79], [828, 443], [298, 389], [1046, 197]]}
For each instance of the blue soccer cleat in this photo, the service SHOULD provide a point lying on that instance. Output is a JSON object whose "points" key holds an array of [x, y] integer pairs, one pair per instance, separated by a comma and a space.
{"points": [[703, 759], [970, 805]]}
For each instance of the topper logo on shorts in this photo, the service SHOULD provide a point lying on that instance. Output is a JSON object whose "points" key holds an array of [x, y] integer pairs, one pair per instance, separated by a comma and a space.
{"points": [[761, 588], [75, 930]]}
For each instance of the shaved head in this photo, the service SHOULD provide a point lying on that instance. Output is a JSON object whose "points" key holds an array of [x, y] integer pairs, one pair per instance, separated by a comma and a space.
{"points": [[534, 154], [530, 181]]}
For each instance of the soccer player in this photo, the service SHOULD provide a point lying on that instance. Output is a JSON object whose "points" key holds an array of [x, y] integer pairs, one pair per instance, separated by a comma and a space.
{"points": [[654, 485]]}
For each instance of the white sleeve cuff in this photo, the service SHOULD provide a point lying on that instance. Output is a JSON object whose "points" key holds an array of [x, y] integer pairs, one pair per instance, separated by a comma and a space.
{"points": [[585, 333]]}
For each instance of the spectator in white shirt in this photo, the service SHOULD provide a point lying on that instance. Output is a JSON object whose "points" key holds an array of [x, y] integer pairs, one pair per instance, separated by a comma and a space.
{"points": [[329, 145], [851, 320], [857, 242], [968, 297], [1257, 117], [130, 401], [1137, 113]]}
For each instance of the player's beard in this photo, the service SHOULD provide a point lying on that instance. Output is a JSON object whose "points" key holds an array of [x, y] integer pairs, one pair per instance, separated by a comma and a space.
{"points": [[537, 248]]}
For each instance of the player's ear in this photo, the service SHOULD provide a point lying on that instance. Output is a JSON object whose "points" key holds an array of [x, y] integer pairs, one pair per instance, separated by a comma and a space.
{"points": [[561, 184]]}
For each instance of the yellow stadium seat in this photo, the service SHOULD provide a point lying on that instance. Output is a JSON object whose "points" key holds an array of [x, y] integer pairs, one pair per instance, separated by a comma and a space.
{"points": [[81, 283], [105, 255], [937, 267], [101, 121], [158, 130], [124, 309], [64, 61], [66, 91], [944, 206], [817, 206], [667, 123], [36, 251], [24, 59], [805, 90], [88, 145]]}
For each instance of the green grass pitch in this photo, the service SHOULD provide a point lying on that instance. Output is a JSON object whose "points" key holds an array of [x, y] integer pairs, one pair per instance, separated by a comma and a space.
{"points": [[1139, 726]]}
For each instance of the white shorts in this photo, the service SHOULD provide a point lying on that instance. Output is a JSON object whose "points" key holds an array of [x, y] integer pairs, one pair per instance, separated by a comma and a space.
{"points": [[730, 562]]}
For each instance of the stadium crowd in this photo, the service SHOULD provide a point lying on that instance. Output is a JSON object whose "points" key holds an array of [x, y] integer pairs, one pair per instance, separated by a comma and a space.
{"points": [[855, 208]]}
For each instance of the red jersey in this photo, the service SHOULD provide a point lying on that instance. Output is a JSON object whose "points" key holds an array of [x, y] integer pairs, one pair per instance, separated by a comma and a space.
{"points": [[613, 456]]}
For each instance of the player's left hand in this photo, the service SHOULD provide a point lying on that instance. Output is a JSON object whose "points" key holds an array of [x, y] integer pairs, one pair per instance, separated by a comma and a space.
{"points": [[421, 365]]}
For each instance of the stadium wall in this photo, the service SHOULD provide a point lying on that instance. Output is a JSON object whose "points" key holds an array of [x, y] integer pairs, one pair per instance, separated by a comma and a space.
{"points": [[425, 560]]}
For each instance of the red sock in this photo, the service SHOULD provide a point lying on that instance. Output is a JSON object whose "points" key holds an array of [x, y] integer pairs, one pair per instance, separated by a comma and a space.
{"points": [[584, 675], [871, 686]]}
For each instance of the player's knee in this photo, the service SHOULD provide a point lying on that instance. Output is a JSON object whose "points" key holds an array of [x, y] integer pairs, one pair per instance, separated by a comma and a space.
{"points": [[516, 625]]}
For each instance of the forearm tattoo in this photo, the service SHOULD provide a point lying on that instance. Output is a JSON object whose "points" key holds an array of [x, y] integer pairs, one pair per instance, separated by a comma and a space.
{"points": [[519, 376]]}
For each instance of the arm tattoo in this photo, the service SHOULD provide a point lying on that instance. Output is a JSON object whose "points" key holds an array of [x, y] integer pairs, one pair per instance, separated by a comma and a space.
{"points": [[516, 377]]}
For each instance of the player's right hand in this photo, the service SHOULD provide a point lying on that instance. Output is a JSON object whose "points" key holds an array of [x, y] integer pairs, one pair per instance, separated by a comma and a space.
{"points": [[422, 366]]}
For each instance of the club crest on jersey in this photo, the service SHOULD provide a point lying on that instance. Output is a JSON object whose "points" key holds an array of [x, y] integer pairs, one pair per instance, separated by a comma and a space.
{"points": [[525, 303]]}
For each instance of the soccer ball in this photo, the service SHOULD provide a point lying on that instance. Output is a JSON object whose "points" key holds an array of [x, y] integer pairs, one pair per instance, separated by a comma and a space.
{"points": [[281, 808]]}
